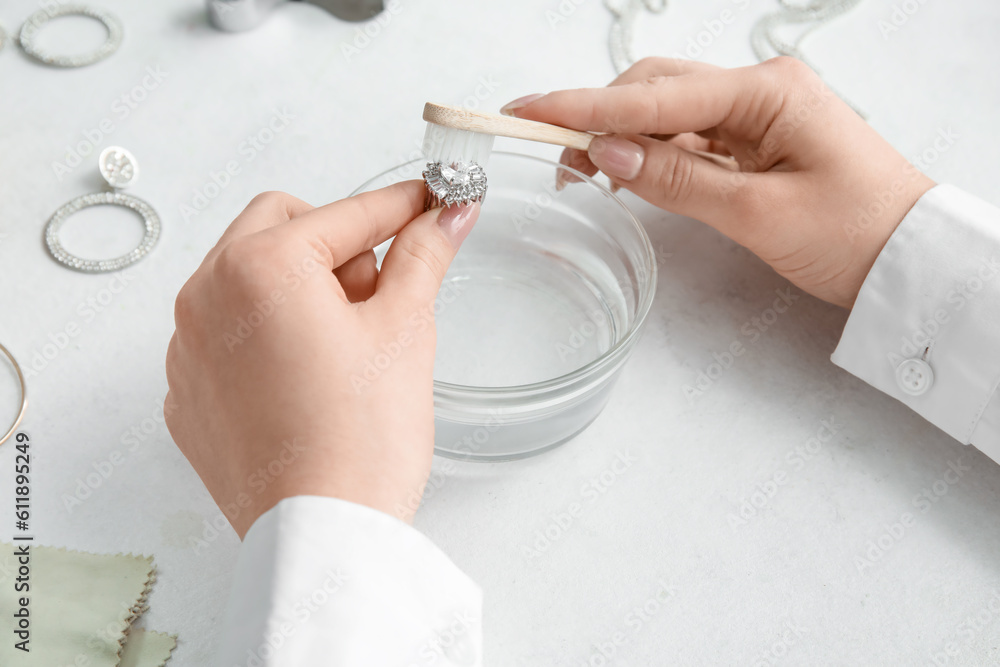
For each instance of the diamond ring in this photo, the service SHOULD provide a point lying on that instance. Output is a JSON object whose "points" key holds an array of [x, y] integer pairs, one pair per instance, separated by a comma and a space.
{"points": [[455, 183]]}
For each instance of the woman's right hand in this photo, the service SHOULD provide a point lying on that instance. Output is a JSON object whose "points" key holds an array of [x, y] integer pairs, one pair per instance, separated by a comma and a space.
{"points": [[810, 187]]}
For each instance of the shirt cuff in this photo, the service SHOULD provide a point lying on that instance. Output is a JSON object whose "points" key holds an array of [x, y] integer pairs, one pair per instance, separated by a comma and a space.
{"points": [[924, 328], [325, 581]]}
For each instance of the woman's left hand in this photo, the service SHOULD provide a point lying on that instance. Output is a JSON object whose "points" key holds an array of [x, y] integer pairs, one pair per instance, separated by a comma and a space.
{"points": [[298, 367]]}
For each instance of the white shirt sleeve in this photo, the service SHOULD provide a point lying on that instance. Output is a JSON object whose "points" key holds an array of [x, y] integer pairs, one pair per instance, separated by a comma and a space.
{"points": [[322, 581], [925, 328]]}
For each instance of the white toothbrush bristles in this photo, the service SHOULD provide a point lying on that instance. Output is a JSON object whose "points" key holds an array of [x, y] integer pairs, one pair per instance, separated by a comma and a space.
{"points": [[449, 146]]}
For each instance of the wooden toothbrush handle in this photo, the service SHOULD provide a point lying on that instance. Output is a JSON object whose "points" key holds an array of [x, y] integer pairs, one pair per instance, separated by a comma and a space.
{"points": [[505, 126], [519, 128]]}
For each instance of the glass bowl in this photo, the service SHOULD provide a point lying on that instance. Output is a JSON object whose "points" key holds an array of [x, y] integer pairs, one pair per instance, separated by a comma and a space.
{"points": [[538, 313]]}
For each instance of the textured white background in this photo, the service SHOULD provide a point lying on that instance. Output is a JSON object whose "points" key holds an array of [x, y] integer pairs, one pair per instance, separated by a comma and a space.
{"points": [[667, 517]]}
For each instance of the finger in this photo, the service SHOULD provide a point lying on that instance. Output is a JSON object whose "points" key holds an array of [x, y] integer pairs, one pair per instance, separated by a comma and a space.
{"points": [[692, 142], [644, 69], [420, 255], [265, 210], [673, 178], [662, 105], [339, 231], [358, 276], [653, 66], [580, 160], [574, 159]]}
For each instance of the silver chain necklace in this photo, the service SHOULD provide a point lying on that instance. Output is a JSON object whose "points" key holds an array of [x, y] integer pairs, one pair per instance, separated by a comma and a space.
{"points": [[765, 40], [625, 13], [763, 37]]}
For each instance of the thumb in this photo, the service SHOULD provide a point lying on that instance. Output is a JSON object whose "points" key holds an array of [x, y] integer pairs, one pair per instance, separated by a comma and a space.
{"points": [[670, 177], [421, 253]]}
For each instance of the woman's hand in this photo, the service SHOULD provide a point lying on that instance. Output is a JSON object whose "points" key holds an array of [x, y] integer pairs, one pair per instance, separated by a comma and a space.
{"points": [[299, 368], [813, 190]]}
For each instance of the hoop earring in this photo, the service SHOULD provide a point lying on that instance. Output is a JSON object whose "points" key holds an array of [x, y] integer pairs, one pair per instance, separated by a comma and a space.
{"points": [[120, 170], [33, 25]]}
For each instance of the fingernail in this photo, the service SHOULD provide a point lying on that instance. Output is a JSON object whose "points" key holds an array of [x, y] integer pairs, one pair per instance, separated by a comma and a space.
{"points": [[456, 222], [509, 108], [617, 157], [571, 158], [562, 179]]}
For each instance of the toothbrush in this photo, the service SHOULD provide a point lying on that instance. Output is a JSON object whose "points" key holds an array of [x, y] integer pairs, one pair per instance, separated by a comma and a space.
{"points": [[457, 135]]}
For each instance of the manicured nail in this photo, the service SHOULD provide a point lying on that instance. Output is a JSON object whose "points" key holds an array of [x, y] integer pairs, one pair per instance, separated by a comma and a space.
{"points": [[456, 222], [510, 108], [617, 157], [573, 159], [562, 179]]}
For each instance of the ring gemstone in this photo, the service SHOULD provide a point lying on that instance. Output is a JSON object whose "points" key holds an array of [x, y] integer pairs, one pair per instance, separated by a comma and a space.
{"points": [[454, 183]]}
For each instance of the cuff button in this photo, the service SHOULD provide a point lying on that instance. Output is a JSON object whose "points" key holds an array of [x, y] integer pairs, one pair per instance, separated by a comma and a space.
{"points": [[914, 377]]}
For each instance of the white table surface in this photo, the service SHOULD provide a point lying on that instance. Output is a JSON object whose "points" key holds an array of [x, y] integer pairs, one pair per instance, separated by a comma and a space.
{"points": [[667, 517]]}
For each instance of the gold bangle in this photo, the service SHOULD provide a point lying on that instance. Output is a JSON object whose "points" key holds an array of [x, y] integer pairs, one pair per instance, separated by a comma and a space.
{"points": [[24, 395]]}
